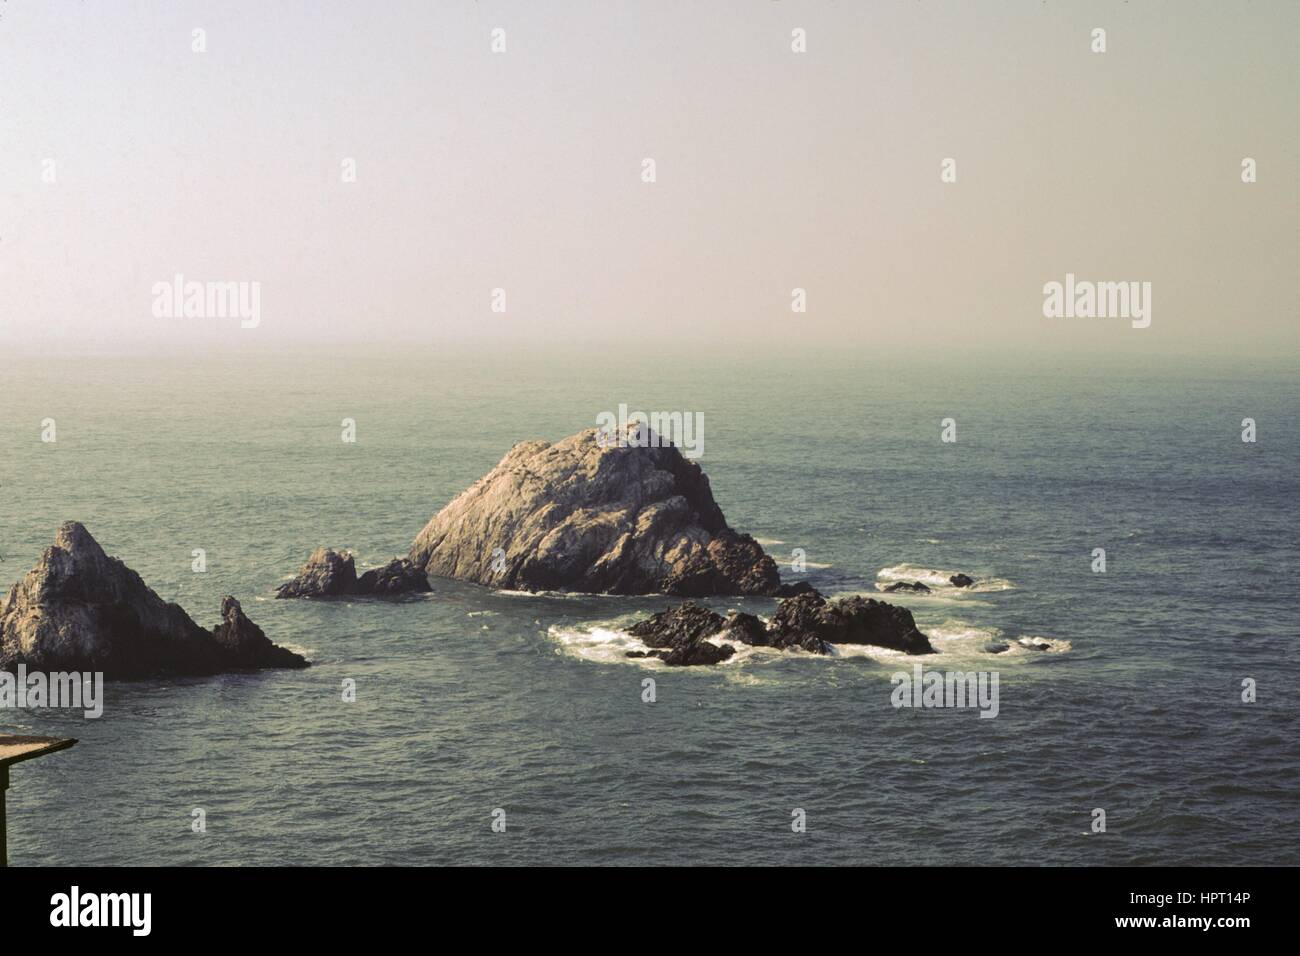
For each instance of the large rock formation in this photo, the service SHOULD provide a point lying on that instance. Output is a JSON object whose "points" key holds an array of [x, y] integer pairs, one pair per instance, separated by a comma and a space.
{"points": [[79, 609], [807, 621], [589, 514], [330, 573]]}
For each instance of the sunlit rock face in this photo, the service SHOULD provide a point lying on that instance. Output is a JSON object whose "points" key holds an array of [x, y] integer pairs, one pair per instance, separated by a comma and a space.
{"points": [[78, 609], [588, 514]]}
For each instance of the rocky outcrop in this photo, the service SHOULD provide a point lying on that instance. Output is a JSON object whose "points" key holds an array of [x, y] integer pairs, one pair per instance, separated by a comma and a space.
{"points": [[798, 623], [916, 586], [679, 636], [79, 609], [807, 622], [850, 621], [398, 576], [678, 625], [962, 581], [747, 629], [330, 573], [589, 514], [327, 573], [244, 643], [793, 590]]}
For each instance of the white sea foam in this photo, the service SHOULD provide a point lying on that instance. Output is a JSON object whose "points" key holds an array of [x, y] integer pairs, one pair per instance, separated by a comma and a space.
{"points": [[564, 595], [603, 645], [961, 638], [607, 643], [938, 579]]}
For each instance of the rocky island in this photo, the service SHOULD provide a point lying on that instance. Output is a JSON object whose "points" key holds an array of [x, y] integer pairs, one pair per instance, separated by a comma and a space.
{"points": [[599, 516], [80, 610]]}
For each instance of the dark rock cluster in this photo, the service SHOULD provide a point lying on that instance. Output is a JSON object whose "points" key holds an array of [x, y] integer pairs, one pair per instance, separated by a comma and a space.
{"points": [[330, 573], [680, 635], [916, 587]]}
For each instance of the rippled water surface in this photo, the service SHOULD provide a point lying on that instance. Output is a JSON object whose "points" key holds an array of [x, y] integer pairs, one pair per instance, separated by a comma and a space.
{"points": [[469, 700]]}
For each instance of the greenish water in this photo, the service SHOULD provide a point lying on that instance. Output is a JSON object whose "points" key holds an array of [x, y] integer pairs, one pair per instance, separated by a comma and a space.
{"points": [[470, 700]]}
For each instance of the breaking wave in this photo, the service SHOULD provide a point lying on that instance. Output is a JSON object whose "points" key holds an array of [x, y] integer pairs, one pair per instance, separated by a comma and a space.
{"points": [[938, 579]]}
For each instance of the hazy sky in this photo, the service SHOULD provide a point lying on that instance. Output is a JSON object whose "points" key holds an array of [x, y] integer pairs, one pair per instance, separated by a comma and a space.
{"points": [[523, 170]]}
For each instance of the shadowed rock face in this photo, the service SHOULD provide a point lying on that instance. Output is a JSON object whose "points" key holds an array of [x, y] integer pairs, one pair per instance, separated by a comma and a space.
{"points": [[747, 629], [330, 573], [245, 645], [585, 515], [79, 609]]}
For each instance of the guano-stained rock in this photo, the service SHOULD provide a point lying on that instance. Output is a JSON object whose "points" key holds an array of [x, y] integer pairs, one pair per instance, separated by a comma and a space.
{"points": [[586, 514]]}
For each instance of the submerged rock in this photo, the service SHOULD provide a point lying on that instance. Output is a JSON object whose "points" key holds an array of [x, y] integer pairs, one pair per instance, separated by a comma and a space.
{"points": [[1034, 643], [586, 514], [962, 581], [997, 647], [78, 609], [917, 586], [330, 573]]}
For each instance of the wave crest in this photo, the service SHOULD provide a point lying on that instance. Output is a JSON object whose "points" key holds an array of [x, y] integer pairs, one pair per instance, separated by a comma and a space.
{"points": [[938, 579]]}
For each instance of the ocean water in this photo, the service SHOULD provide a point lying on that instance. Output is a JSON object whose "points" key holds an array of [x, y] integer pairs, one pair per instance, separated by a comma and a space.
{"points": [[470, 700]]}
